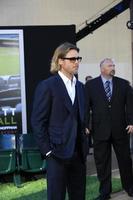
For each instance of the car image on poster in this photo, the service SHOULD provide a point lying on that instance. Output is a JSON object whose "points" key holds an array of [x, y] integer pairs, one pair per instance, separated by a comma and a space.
{"points": [[12, 82]]}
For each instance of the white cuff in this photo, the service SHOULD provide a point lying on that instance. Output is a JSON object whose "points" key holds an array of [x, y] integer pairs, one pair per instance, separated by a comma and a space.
{"points": [[49, 152]]}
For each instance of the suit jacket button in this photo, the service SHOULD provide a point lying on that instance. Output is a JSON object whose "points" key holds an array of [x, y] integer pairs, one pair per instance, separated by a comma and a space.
{"points": [[109, 106]]}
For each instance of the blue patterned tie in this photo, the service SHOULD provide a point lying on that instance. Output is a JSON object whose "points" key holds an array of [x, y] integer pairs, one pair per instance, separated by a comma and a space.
{"points": [[107, 90]]}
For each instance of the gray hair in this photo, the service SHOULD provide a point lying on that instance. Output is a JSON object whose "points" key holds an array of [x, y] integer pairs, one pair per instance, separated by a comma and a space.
{"points": [[106, 60], [61, 52]]}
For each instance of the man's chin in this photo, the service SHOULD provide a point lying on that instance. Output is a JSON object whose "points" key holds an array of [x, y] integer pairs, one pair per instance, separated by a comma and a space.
{"points": [[112, 73]]}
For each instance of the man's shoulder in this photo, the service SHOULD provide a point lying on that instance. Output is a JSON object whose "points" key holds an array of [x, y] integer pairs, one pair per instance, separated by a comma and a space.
{"points": [[46, 83], [93, 81], [92, 85], [96, 79], [120, 80], [49, 80]]}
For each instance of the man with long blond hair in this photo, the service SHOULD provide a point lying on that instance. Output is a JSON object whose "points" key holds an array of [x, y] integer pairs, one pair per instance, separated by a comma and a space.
{"points": [[57, 122]]}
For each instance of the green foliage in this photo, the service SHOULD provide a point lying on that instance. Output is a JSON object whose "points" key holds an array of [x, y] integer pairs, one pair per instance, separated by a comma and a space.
{"points": [[36, 190]]}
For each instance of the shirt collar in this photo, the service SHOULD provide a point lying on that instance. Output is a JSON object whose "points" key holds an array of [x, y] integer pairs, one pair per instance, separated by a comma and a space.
{"points": [[104, 79], [67, 80]]}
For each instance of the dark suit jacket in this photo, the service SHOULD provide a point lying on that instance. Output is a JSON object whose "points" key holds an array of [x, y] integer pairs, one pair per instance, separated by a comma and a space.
{"points": [[53, 121], [109, 118]]}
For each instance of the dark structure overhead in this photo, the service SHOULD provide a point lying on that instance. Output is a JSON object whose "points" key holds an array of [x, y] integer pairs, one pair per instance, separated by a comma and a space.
{"points": [[111, 13]]}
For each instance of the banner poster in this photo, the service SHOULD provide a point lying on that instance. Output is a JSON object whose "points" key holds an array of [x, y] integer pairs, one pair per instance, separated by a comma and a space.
{"points": [[12, 83]]}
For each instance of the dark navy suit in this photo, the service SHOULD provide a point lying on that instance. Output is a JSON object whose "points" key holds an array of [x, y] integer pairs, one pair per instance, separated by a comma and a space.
{"points": [[58, 127]]}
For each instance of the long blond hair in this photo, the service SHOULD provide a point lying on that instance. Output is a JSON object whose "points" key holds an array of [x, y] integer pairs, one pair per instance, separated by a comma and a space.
{"points": [[60, 52]]}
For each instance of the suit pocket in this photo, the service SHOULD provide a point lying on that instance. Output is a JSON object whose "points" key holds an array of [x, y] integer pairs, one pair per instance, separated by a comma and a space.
{"points": [[56, 140], [55, 134]]}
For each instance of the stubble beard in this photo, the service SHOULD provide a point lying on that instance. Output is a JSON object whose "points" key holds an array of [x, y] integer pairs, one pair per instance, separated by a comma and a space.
{"points": [[112, 73]]}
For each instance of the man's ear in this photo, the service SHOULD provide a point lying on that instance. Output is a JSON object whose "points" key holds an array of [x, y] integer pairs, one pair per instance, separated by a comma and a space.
{"points": [[102, 69]]}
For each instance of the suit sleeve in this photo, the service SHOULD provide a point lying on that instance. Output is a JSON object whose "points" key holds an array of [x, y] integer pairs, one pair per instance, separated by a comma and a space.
{"points": [[40, 116], [87, 105], [129, 105]]}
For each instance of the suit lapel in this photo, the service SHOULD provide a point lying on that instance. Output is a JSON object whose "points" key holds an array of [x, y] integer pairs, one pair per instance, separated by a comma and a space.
{"points": [[80, 97], [114, 91], [101, 89], [63, 93]]}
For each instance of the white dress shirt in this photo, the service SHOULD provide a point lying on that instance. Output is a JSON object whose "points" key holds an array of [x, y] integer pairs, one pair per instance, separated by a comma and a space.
{"points": [[70, 85]]}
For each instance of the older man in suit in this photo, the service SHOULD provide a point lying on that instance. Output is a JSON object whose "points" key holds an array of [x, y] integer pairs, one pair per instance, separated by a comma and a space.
{"points": [[57, 121], [111, 101]]}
